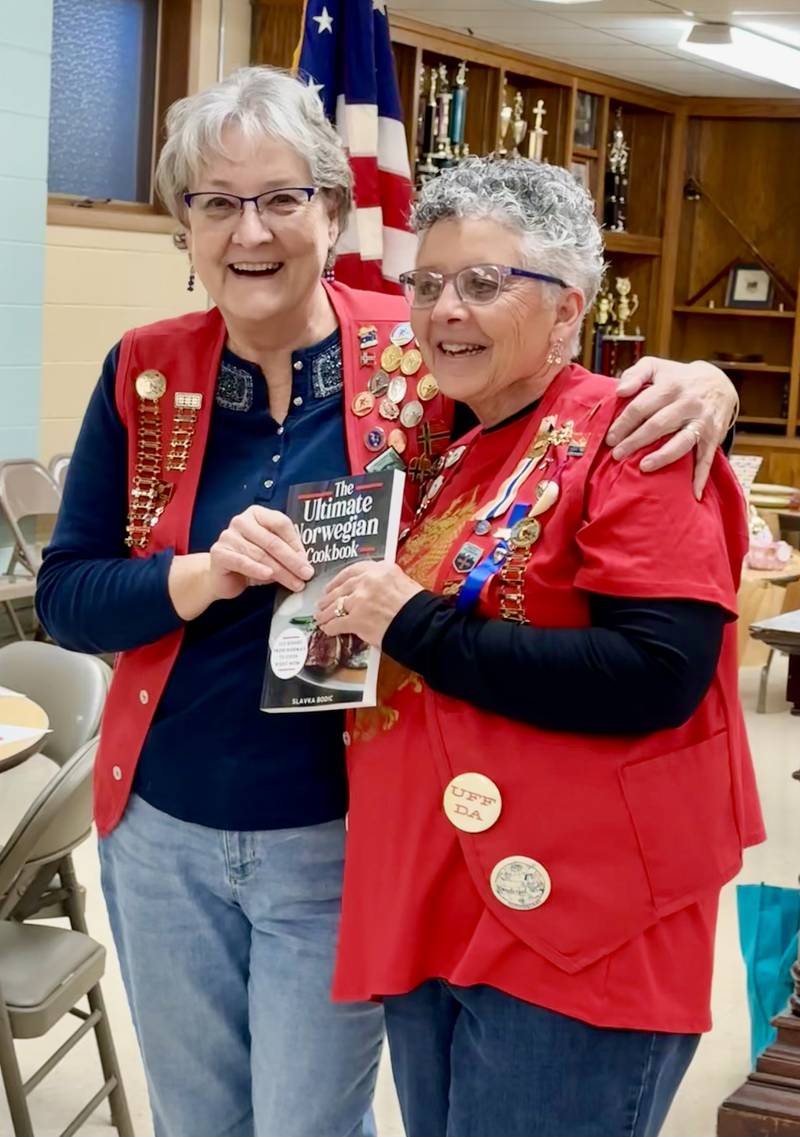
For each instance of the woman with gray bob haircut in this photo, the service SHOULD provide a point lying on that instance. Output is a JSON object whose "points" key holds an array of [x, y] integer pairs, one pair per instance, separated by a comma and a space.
{"points": [[222, 828], [556, 782]]}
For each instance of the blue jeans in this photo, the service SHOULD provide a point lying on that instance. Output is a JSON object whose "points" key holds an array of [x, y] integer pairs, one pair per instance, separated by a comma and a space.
{"points": [[474, 1062], [226, 942]]}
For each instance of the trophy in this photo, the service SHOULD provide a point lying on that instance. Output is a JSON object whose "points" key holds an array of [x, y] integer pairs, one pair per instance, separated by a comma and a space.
{"points": [[444, 151], [616, 180], [537, 135], [458, 111], [505, 122], [519, 126], [426, 169], [627, 304]]}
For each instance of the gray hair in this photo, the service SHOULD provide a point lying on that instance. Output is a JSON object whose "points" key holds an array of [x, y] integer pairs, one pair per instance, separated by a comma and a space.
{"points": [[261, 102], [551, 211]]}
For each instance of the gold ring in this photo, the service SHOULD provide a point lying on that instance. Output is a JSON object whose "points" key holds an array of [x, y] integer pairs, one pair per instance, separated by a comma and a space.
{"points": [[340, 610], [698, 437]]}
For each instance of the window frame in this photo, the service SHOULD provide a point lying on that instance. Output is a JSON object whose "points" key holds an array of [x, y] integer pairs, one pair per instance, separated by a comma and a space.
{"points": [[174, 49]]}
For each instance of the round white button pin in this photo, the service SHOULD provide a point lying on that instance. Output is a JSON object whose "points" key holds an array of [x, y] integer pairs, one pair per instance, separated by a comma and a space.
{"points": [[472, 802], [144, 697], [520, 882], [116, 773]]}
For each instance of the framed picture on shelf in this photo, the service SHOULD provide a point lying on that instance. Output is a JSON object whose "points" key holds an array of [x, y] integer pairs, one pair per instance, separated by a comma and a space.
{"points": [[581, 172], [585, 120], [749, 286]]}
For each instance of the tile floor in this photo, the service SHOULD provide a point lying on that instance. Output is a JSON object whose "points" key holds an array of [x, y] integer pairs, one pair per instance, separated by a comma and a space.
{"points": [[722, 1059]]}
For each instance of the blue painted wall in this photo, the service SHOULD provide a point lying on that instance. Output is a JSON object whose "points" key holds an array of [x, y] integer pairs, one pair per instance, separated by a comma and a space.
{"points": [[25, 38]]}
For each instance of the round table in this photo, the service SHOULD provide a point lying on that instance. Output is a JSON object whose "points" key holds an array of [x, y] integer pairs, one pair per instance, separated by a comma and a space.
{"points": [[19, 711]]}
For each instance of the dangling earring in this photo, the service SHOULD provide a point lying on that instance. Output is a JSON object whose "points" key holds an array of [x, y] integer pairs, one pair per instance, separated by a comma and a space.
{"points": [[330, 263], [554, 357], [190, 281]]}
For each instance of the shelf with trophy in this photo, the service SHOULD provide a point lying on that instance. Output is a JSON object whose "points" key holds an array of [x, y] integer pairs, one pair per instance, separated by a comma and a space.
{"points": [[533, 118], [451, 121]]}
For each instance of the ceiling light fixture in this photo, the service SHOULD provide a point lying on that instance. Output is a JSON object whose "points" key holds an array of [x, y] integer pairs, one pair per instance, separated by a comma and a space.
{"points": [[745, 51]]}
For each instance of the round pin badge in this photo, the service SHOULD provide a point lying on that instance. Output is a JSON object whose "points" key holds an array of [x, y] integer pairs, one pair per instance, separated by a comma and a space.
{"points": [[150, 385], [397, 440], [472, 802], [379, 383], [525, 533], [401, 334], [453, 456], [427, 388], [411, 414], [387, 409], [411, 362], [375, 439], [363, 403], [481, 527], [434, 487], [391, 356], [397, 389], [520, 882]]}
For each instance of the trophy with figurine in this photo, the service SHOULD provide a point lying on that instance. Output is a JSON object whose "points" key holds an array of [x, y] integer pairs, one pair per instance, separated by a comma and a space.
{"points": [[615, 348], [505, 121], [458, 111], [616, 180], [538, 134], [426, 168], [444, 150], [519, 126]]}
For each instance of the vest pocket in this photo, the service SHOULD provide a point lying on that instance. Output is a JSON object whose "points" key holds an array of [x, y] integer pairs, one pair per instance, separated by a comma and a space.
{"points": [[682, 810]]}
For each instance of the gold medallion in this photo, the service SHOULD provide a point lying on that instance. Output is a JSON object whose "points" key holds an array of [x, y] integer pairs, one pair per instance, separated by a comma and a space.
{"points": [[150, 385], [411, 362], [391, 356], [525, 533], [427, 388]]}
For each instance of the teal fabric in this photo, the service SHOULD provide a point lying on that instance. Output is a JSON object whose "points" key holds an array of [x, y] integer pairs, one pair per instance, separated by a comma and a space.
{"points": [[769, 918]]}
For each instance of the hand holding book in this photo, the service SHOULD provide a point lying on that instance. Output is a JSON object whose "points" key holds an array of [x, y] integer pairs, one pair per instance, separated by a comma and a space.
{"points": [[364, 599], [349, 529], [260, 546]]}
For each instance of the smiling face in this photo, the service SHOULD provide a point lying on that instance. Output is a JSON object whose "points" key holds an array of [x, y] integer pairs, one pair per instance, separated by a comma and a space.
{"points": [[478, 353], [258, 268]]}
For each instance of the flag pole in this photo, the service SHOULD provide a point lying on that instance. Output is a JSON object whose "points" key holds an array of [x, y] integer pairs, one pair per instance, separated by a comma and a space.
{"points": [[298, 50]]}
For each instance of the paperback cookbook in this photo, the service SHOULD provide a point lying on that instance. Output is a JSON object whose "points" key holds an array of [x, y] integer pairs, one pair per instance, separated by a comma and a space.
{"points": [[340, 522]]}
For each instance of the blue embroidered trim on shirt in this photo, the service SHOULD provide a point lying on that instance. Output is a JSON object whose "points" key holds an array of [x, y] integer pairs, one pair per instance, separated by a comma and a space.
{"points": [[326, 371], [234, 387]]}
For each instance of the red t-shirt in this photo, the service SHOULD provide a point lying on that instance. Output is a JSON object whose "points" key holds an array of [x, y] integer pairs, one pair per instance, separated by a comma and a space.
{"points": [[411, 908]]}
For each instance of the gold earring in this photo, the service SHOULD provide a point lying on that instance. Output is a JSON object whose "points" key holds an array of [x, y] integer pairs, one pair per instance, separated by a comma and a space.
{"points": [[554, 357], [190, 281]]}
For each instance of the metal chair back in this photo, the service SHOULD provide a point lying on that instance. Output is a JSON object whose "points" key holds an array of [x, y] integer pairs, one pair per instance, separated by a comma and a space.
{"points": [[71, 687], [57, 821], [27, 491]]}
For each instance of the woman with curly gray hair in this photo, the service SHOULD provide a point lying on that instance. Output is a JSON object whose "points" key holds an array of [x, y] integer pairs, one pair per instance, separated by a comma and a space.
{"points": [[556, 782]]}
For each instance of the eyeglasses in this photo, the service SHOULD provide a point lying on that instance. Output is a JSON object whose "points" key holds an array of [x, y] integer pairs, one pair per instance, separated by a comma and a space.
{"points": [[477, 284], [229, 206]]}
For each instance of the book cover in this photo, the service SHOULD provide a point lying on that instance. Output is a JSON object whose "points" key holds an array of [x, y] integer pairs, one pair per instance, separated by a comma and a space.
{"points": [[340, 522]]}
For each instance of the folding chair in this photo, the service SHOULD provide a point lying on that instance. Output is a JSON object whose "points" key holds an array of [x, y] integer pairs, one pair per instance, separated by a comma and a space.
{"points": [[71, 688], [45, 972], [27, 491], [57, 468]]}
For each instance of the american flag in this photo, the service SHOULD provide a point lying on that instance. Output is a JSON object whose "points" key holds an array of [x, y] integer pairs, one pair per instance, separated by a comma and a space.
{"points": [[345, 54]]}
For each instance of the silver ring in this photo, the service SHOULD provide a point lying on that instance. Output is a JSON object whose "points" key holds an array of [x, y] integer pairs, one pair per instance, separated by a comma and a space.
{"points": [[340, 610]]}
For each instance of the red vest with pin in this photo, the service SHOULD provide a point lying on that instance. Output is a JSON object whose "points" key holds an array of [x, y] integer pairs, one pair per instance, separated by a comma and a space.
{"points": [[166, 382], [577, 872]]}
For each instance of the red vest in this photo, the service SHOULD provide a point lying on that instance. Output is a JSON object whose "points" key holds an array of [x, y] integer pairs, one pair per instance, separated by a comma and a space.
{"points": [[187, 352], [630, 829]]}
